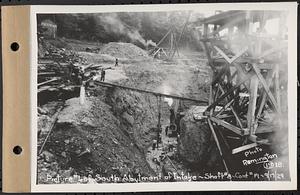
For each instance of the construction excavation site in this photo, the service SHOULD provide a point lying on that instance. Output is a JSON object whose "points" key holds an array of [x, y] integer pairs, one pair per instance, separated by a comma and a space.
{"points": [[162, 97]]}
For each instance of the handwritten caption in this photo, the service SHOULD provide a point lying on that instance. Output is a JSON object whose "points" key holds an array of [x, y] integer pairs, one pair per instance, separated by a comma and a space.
{"points": [[171, 176]]}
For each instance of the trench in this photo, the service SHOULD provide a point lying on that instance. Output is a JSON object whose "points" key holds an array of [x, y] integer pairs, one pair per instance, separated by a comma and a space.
{"points": [[113, 132]]}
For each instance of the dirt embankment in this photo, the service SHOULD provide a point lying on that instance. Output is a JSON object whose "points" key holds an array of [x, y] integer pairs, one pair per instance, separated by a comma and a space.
{"points": [[196, 146], [96, 138], [111, 132]]}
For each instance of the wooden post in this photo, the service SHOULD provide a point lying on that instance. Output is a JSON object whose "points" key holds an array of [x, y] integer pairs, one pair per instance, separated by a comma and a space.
{"points": [[218, 144], [277, 88], [232, 109], [264, 97], [171, 44], [252, 104], [265, 86], [82, 95], [205, 30]]}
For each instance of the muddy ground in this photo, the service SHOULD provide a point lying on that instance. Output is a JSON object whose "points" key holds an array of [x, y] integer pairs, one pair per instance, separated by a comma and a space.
{"points": [[111, 134]]}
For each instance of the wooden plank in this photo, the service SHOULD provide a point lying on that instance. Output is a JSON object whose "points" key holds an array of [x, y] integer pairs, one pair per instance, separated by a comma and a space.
{"points": [[264, 96], [49, 81], [228, 92], [224, 108], [252, 104], [163, 50], [244, 147], [277, 88], [162, 39], [233, 110], [229, 126], [156, 52], [218, 144], [207, 51], [265, 86], [53, 122], [232, 59]]}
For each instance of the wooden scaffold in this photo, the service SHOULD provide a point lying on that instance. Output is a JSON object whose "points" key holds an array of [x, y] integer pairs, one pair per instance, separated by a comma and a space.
{"points": [[246, 84]]}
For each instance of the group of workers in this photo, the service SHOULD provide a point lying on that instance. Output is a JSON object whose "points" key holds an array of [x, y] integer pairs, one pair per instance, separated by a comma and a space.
{"points": [[157, 141], [79, 77], [170, 130]]}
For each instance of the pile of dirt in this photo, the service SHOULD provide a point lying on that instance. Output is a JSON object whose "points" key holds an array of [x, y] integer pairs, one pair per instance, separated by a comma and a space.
{"points": [[90, 139], [124, 50], [195, 145], [137, 113]]}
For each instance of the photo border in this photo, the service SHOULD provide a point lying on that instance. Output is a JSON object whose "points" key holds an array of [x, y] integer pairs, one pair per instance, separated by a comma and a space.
{"points": [[291, 7]]}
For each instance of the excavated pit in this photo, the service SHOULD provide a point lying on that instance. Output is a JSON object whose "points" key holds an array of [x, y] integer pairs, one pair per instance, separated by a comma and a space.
{"points": [[112, 132]]}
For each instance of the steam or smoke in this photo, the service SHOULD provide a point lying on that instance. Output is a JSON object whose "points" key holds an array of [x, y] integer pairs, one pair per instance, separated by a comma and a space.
{"points": [[150, 43], [112, 24], [166, 89]]}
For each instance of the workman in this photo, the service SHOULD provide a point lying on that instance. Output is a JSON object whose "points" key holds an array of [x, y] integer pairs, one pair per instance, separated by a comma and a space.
{"points": [[166, 130], [102, 75], [117, 62], [172, 116], [170, 147], [154, 144]]}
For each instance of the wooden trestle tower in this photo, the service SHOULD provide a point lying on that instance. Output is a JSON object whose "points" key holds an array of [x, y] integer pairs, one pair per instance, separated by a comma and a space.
{"points": [[245, 87]]}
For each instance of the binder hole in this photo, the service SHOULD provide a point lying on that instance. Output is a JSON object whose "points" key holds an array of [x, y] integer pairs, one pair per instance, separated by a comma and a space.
{"points": [[14, 46], [17, 150]]}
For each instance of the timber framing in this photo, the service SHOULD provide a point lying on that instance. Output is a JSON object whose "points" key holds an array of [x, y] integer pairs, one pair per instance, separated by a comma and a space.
{"points": [[246, 75]]}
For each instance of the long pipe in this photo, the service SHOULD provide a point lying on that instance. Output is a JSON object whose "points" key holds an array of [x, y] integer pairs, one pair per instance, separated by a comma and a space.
{"points": [[150, 92]]}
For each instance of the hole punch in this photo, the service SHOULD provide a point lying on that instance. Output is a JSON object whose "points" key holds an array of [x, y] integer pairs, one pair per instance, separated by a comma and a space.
{"points": [[17, 150], [14, 46]]}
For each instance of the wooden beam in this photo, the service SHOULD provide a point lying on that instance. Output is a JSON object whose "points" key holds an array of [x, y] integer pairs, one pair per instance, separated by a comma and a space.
{"points": [[252, 104], [229, 126], [228, 92], [243, 148], [218, 144], [224, 108], [49, 81], [234, 58], [156, 52], [264, 97], [265, 86], [277, 88], [233, 110], [207, 51], [163, 38]]}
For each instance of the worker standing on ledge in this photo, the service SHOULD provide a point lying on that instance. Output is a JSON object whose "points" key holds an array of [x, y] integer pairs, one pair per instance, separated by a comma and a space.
{"points": [[117, 62], [102, 75], [166, 130], [154, 144]]}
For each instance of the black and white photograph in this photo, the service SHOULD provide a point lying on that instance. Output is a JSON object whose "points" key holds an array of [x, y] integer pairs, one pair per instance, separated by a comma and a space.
{"points": [[163, 96]]}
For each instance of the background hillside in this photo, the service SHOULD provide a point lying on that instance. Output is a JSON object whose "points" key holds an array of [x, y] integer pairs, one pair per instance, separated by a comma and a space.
{"points": [[140, 28]]}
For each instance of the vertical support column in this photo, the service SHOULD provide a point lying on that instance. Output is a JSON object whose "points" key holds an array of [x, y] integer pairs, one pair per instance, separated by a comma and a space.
{"points": [[171, 44], [82, 95], [205, 30], [252, 104], [159, 118], [277, 87], [218, 145]]}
